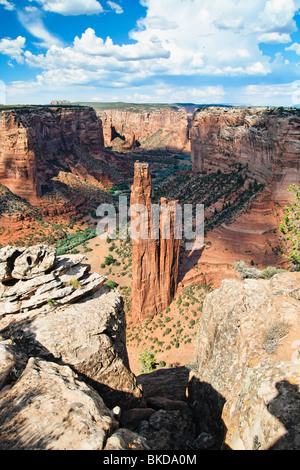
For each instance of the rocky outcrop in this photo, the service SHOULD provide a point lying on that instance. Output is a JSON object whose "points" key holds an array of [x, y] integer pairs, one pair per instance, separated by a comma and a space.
{"points": [[65, 314], [153, 128], [245, 387], [37, 143], [155, 258]]}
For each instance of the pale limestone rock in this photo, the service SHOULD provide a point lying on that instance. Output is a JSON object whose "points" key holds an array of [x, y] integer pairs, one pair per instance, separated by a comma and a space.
{"points": [[11, 362], [34, 261], [8, 255], [69, 315]]}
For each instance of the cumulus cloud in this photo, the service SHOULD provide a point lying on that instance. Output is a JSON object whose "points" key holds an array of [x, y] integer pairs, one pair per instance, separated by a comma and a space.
{"points": [[13, 48], [275, 38], [294, 47], [71, 7]]}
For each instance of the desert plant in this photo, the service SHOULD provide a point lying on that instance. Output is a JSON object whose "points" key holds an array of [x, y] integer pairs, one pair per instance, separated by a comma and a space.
{"points": [[270, 271], [245, 272]]}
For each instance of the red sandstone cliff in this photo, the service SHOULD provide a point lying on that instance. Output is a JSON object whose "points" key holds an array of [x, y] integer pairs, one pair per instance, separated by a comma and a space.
{"points": [[164, 127], [36, 143], [154, 261], [268, 142]]}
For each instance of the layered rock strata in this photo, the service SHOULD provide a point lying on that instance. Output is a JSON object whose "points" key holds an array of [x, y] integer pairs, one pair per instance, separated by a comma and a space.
{"points": [[265, 140], [155, 257], [37, 143]]}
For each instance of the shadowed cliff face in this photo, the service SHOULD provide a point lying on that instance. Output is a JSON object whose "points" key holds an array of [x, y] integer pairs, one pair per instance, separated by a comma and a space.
{"points": [[36, 143]]}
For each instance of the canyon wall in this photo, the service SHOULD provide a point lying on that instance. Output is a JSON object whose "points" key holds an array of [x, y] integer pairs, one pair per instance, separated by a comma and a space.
{"points": [[154, 260], [267, 140], [35, 143], [267, 143], [164, 128]]}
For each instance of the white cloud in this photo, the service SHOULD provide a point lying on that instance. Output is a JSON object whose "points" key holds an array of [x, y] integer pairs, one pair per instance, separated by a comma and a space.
{"points": [[179, 40], [275, 38], [13, 48], [90, 44], [32, 21], [2, 92], [7, 5], [71, 7], [294, 47], [117, 8]]}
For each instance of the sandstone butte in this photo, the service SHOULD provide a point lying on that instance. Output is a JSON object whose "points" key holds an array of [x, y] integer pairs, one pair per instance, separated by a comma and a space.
{"points": [[154, 261]]}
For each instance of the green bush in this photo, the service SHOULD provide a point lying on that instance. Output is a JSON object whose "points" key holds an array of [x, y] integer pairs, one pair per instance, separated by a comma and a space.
{"points": [[111, 284], [148, 361]]}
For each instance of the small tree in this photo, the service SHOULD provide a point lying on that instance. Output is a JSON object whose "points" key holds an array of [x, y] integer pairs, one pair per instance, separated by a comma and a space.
{"points": [[290, 227], [148, 361]]}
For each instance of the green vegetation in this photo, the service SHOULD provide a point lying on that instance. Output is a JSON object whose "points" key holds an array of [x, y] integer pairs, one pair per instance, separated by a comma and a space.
{"points": [[148, 362], [290, 227], [74, 239], [111, 284]]}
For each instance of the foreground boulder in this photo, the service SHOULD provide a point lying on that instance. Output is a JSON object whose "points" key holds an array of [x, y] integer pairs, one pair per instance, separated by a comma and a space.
{"points": [[245, 384], [49, 408]]}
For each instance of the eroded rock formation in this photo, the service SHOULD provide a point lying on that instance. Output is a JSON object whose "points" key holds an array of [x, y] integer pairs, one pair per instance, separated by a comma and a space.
{"points": [[160, 128], [37, 143], [155, 259]]}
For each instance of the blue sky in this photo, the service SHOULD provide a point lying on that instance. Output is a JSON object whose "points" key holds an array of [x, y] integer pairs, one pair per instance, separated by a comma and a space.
{"points": [[162, 51]]}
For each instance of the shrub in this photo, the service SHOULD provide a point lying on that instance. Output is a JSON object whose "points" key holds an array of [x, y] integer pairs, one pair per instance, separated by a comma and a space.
{"points": [[148, 361], [246, 272], [111, 284], [273, 334], [270, 271]]}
